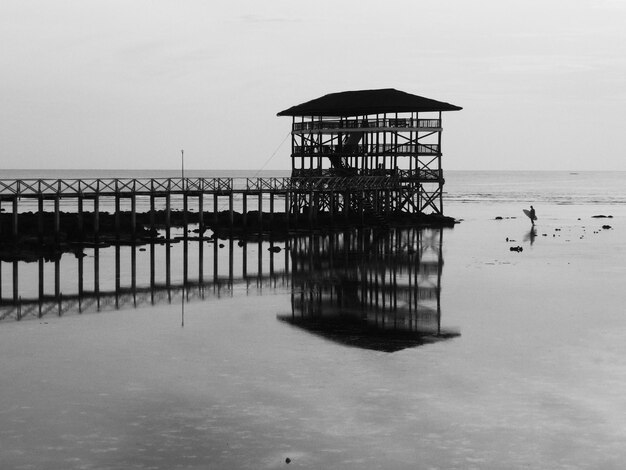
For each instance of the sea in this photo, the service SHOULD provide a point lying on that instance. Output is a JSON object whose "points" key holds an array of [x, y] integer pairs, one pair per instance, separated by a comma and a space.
{"points": [[494, 344]]}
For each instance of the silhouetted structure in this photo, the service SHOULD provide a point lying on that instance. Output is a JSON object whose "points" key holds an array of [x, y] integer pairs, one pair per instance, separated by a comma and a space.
{"points": [[368, 157], [375, 152]]}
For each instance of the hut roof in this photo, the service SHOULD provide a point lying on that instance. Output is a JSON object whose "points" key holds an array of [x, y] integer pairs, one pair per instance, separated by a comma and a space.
{"points": [[363, 102]]}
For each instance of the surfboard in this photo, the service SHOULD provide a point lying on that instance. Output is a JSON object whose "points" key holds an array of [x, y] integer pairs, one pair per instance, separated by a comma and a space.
{"points": [[527, 212]]}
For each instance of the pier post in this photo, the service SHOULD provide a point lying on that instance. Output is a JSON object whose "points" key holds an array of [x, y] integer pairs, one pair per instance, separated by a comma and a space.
{"points": [[96, 216], [231, 217], [168, 210], [57, 219], [271, 209], [81, 222], [40, 218], [287, 208], [261, 210], [15, 218], [244, 210], [133, 215], [201, 214], [152, 214], [185, 216], [215, 208], [117, 213]]}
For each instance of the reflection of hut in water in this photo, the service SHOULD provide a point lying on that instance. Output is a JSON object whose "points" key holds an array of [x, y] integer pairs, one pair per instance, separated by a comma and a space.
{"points": [[369, 289]]}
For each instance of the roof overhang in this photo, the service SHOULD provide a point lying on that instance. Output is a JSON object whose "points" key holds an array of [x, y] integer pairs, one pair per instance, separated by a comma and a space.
{"points": [[366, 102]]}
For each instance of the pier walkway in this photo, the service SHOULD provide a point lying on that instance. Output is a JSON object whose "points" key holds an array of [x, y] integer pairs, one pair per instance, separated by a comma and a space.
{"points": [[353, 194]]}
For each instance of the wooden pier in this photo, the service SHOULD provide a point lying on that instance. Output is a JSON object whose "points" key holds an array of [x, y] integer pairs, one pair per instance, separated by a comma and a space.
{"points": [[245, 202], [368, 157]]}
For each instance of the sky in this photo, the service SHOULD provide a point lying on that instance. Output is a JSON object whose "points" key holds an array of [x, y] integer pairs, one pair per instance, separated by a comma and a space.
{"points": [[110, 84]]}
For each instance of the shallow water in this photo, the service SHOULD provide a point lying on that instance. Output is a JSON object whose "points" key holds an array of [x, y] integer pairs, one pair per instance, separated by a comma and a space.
{"points": [[535, 379]]}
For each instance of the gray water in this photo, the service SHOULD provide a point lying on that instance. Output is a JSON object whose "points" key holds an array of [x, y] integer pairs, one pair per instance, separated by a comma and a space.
{"points": [[518, 361]]}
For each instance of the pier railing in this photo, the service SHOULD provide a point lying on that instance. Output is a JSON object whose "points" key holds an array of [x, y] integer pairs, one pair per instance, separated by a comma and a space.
{"points": [[370, 179]]}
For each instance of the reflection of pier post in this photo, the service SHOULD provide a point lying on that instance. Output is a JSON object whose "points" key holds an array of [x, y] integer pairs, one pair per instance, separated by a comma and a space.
{"points": [[57, 277], [439, 270], [128, 287], [117, 274], [133, 273], [15, 281], [96, 274], [385, 280], [80, 283], [41, 279], [201, 237], [168, 262], [152, 274]]}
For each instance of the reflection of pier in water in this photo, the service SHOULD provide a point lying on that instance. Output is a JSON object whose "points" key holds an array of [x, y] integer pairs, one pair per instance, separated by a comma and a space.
{"points": [[362, 287], [367, 289], [221, 268]]}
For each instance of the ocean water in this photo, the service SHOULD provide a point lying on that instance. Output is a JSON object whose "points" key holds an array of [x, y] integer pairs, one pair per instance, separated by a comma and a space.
{"points": [[436, 349]]}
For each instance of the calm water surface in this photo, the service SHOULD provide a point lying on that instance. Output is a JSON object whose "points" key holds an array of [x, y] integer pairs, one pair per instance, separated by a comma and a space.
{"points": [[432, 349]]}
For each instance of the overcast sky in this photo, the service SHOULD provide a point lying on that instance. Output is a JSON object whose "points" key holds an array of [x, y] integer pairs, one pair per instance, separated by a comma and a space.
{"points": [[128, 84]]}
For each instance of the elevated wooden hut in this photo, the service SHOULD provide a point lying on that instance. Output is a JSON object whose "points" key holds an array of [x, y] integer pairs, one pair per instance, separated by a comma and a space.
{"points": [[376, 151]]}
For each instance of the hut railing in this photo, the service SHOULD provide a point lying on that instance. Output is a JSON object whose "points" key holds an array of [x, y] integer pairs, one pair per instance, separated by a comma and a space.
{"points": [[371, 149], [343, 183], [332, 124]]}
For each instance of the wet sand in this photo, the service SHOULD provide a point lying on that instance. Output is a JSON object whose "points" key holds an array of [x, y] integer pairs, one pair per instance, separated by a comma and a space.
{"points": [[536, 379]]}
